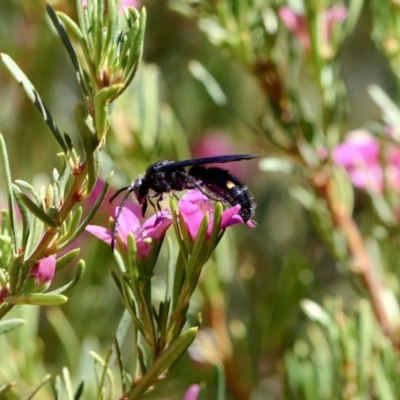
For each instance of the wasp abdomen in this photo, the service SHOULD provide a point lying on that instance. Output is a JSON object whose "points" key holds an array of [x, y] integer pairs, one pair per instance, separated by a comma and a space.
{"points": [[226, 187]]}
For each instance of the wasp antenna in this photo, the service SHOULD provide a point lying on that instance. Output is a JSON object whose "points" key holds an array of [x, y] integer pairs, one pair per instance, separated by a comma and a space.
{"points": [[120, 191], [120, 208]]}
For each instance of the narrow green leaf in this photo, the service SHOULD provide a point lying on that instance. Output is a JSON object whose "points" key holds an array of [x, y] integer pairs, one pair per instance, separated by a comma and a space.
{"points": [[54, 17], [118, 358], [170, 271], [210, 84], [40, 299], [67, 383], [63, 178], [37, 211], [72, 224], [33, 95], [79, 391], [6, 388], [102, 101], [96, 31], [112, 28], [137, 48], [10, 324], [163, 362], [36, 389], [382, 382], [365, 347], [90, 144], [10, 192], [195, 261], [106, 373], [30, 189], [220, 382], [80, 270], [66, 259]]}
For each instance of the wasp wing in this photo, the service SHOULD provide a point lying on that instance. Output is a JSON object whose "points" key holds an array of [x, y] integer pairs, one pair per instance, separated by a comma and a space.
{"points": [[205, 160]]}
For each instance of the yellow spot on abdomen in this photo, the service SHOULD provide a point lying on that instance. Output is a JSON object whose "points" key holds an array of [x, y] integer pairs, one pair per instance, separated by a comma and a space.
{"points": [[230, 185]]}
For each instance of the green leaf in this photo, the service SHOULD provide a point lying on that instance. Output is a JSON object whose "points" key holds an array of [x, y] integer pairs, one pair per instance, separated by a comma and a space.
{"points": [[79, 391], [5, 388], [68, 46], [66, 259], [136, 49], [106, 373], [118, 357], [80, 269], [33, 95], [36, 389], [66, 378], [90, 144], [72, 224], [102, 101], [196, 259], [210, 84], [10, 324], [40, 299], [37, 211], [10, 192], [163, 362]]}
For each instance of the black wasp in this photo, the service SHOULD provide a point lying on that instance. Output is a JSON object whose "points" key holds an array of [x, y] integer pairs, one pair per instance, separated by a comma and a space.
{"points": [[169, 176]]}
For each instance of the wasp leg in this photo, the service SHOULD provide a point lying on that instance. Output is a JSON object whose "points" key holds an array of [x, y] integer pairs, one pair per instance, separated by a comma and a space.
{"points": [[198, 187]]}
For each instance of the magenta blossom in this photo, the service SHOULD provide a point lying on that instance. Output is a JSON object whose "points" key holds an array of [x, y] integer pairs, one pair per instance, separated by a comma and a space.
{"points": [[153, 228], [297, 23], [192, 393], [360, 155], [128, 3], [194, 205], [122, 4], [42, 273]]}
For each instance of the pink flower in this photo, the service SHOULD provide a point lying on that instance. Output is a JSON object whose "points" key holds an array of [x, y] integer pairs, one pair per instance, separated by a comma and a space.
{"points": [[194, 205], [215, 143], [297, 23], [122, 4], [153, 228], [128, 3], [360, 155], [42, 272], [192, 393]]}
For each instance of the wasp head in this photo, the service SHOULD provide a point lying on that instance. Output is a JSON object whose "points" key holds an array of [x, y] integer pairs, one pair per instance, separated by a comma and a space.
{"points": [[141, 190]]}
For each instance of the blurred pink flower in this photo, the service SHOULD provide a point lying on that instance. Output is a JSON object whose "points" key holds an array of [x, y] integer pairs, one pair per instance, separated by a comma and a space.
{"points": [[216, 143], [192, 393], [360, 155], [128, 3], [122, 4], [297, 23], [153, 228], [42, 272], [194, 205]]}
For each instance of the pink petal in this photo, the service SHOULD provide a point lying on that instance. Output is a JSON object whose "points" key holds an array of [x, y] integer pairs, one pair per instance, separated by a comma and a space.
{"points": [[296, 24], [359, 148], [192, 393], [128, 222], [100, 232], [43, 271]]}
